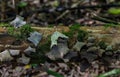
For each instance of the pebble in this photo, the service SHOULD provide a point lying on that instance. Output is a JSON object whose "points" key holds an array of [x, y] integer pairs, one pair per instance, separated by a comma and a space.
{"points": [[91, 39]]}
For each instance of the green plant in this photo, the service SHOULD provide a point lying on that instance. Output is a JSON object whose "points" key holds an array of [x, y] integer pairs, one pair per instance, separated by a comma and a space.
{"points": [[14, 32], [112, 73], [25, 30], [22, 4], [10, 30], [75, 27], [114, 11], [82, 35], [20, 33], [4, 25], [50, 72], [69, 34]]}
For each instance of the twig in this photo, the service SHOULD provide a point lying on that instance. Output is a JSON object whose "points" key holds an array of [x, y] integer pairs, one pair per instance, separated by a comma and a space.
{"points": [[13, 3], [41, 74], [96, 17], [67, 11], [23, 46]]}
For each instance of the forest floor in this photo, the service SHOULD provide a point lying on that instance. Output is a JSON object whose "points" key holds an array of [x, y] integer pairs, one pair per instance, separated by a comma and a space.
{"points": [[90, 61]]}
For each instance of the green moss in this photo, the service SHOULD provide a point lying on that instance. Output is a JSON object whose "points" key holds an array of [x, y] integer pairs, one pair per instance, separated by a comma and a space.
{"points": [[25, 31], [75, 27], [11, 30], [20, 33], [82, 35], [4, 25], [22, 4], [14, 32], [69, 34]]}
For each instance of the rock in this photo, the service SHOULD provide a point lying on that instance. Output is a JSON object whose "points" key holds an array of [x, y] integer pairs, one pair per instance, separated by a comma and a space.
{"points": [[1, 48], [62, 40], [91, 39], [18, 22], [116, 43], [92, 49], [58, 51], [84, 65], [70, 55], [23, 59], [59, 46], [108, 53], [78, 45], [5, 56], [55, 37], [35, 38], [18, 69], [90, 44], [14, 52], [90, 56], [107, 60], [29, 50], [101, 51], [109, 48], [117, 51]]}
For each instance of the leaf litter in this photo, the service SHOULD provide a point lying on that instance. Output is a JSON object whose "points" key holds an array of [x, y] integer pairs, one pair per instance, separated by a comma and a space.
{"points": [[82, 60]]}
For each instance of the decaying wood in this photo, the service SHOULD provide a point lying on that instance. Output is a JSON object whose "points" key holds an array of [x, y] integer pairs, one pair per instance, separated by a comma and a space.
{"points": [[19, 47]]}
